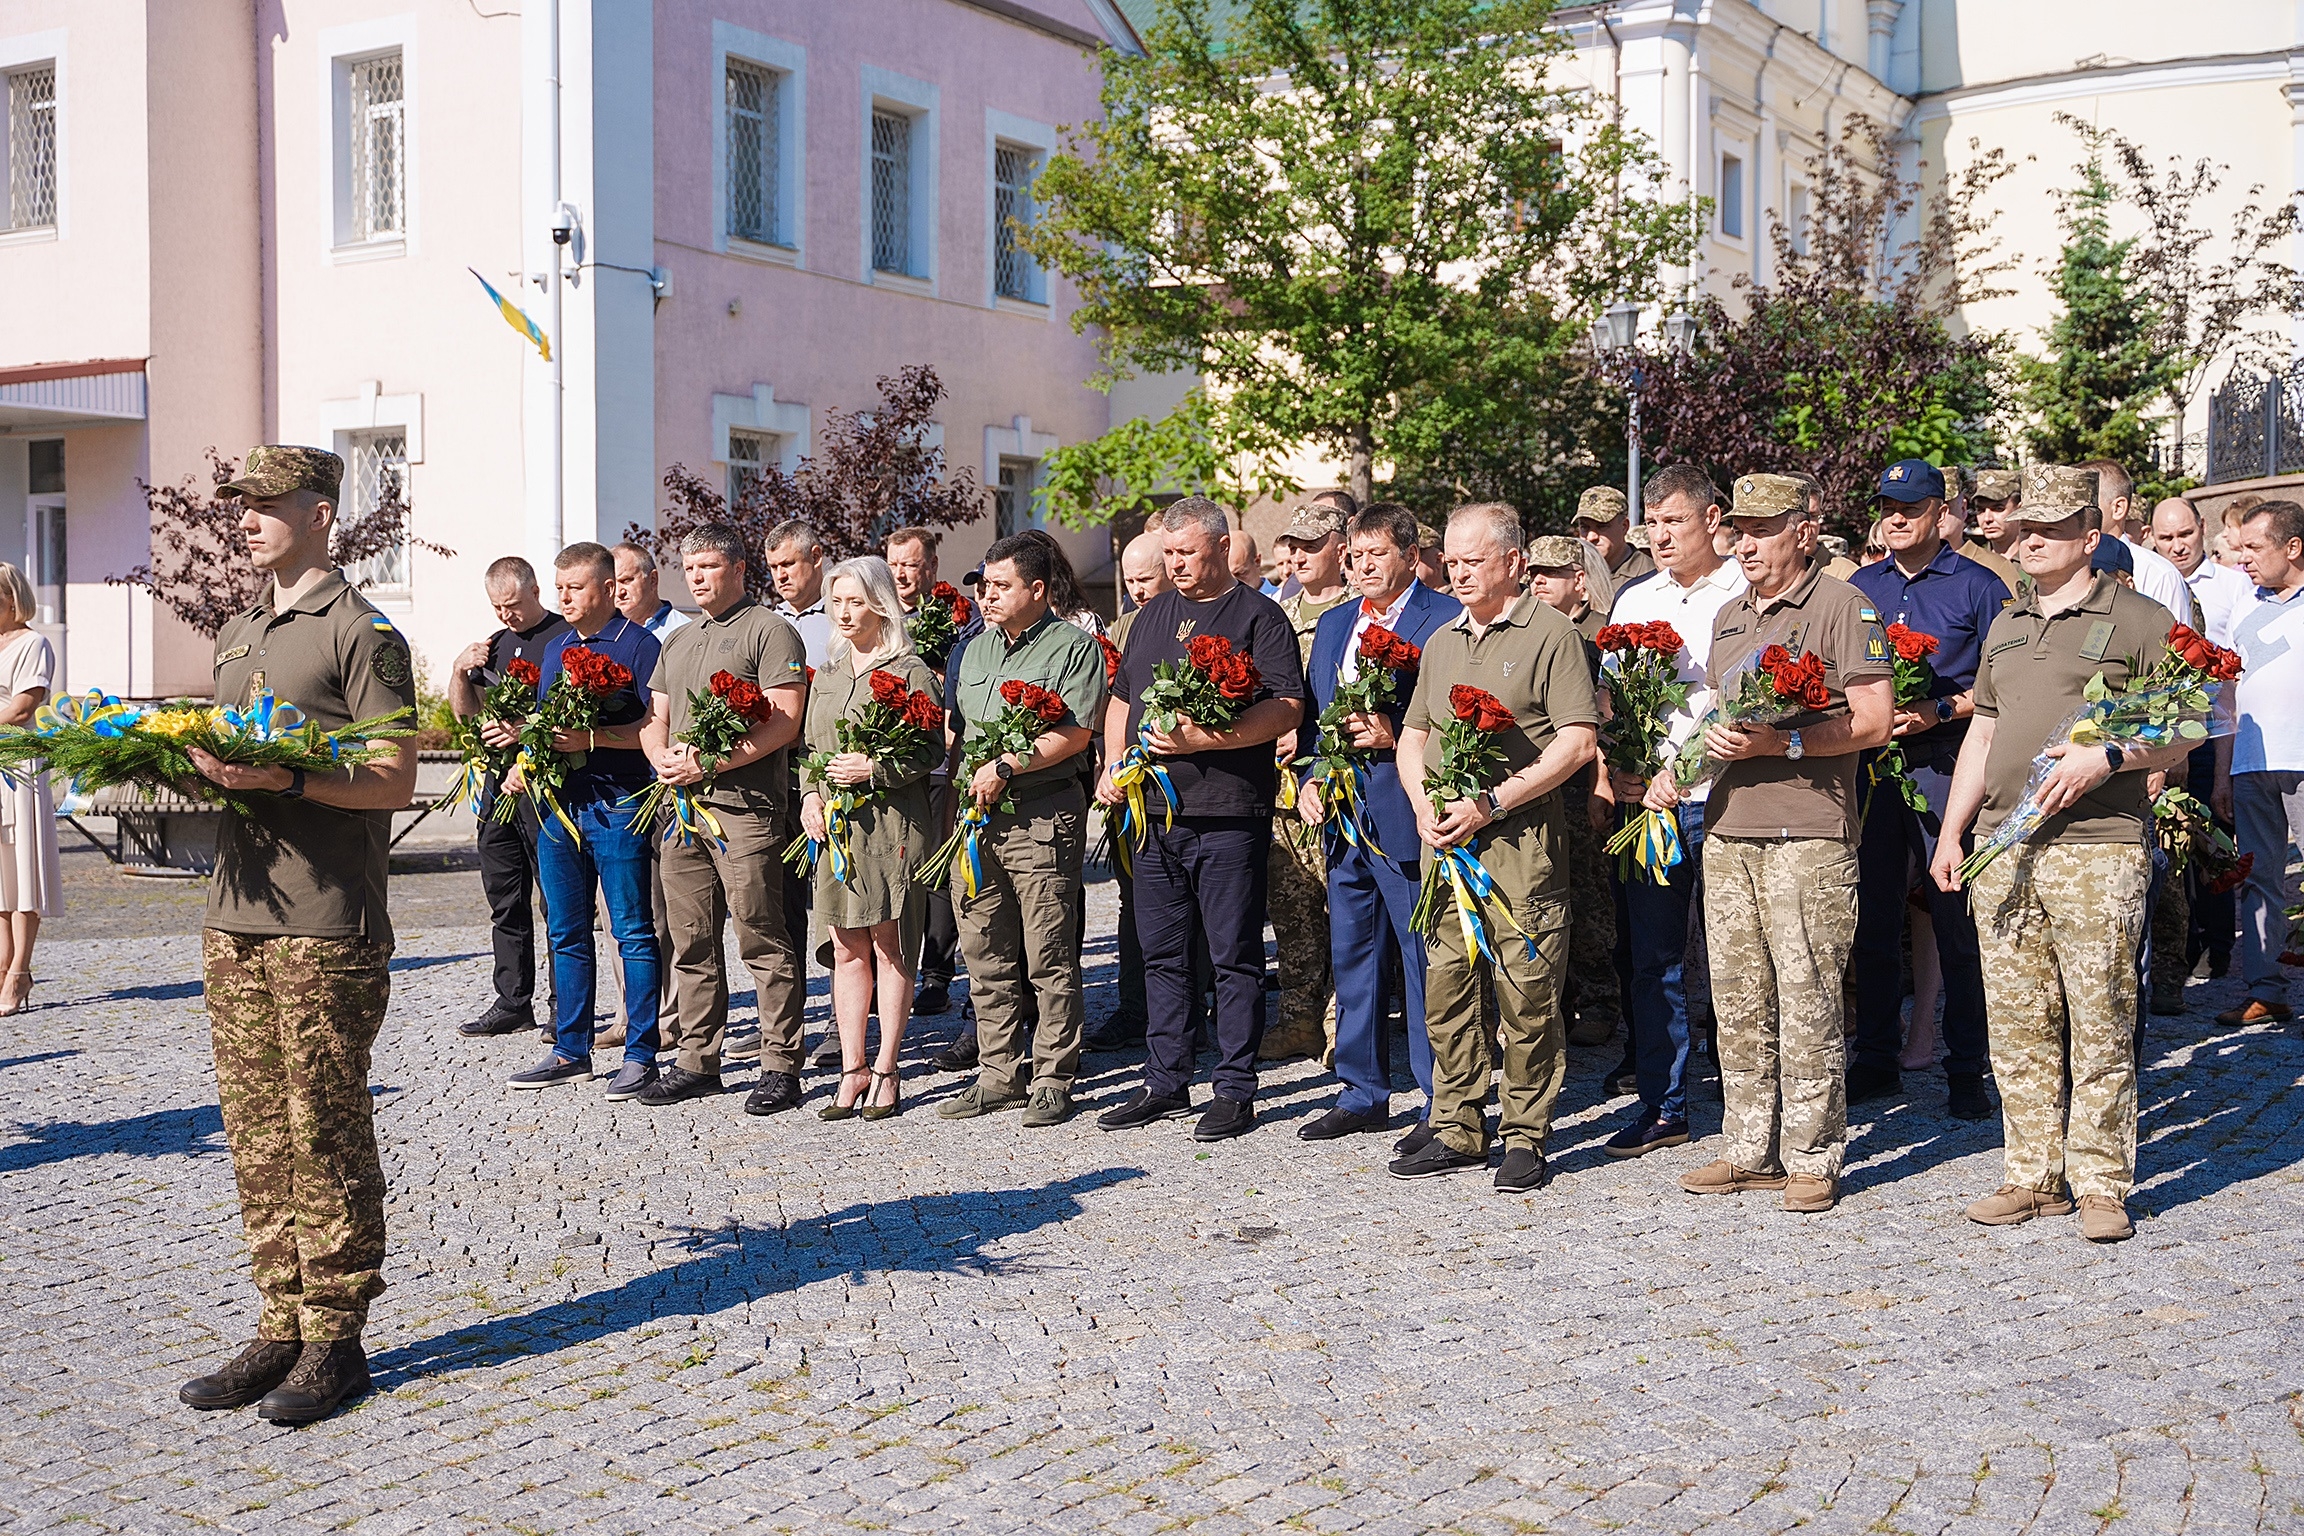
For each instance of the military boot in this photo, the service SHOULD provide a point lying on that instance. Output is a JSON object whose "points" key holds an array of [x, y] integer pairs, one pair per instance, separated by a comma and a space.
{"points": [[256, 1370], [326, 1375]]}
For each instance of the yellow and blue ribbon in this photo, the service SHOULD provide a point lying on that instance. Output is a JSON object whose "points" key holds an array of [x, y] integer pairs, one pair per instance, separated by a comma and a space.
{"points": [[1345, 782], [1135, 768], [96, 710], [1471, 888], [1649, 842]]}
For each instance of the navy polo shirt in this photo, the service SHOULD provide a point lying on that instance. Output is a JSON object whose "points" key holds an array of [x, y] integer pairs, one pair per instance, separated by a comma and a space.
{"points": [[1952, 598], [620, 641]]}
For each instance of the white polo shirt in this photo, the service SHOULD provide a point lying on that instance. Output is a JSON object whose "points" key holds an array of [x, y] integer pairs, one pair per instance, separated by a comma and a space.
{"points": [[1691, 612], [2269, 636], [2225, 594], [815, 627], [2158, 579]]}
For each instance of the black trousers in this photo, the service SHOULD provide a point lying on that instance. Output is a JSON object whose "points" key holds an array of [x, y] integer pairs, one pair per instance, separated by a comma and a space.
{"points": [[1895, 837], [1203, 876], [2215, 918], [940, 942], [507, 876]]}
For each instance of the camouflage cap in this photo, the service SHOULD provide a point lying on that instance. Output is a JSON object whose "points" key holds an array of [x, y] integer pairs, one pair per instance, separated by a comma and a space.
{"points": [[1834, 546], [1314, 521], [1556, 551], [1601, 504], [1429, 537], [276, 469], [1637, 537], [1768, 495], [2054, 492], [1996, 485]]}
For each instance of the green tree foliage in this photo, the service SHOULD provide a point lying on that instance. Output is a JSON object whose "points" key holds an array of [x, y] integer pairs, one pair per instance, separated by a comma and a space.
{"points": [[1350, 218]]}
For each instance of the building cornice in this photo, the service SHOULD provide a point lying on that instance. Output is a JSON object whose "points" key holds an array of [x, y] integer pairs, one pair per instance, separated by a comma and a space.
{"points": [[1025, 16], [2072, 84]]}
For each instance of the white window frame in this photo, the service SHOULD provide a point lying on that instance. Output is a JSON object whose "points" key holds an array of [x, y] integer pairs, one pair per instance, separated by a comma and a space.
{"points": [[340, 48], [1740, 152], [336, 422], [760, 413], [1799, 210], [789, 61], [28, 50], [1018, 440], [886, 91], [1023, 133]]}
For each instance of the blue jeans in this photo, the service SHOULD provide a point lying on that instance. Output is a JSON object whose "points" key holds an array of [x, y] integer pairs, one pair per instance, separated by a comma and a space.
{"points": [[615, 858], [1659, 939]]}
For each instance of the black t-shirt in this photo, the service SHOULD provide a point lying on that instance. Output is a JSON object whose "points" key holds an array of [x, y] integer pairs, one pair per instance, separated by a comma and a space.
{"points": [[509, 645], [1245, 780]]}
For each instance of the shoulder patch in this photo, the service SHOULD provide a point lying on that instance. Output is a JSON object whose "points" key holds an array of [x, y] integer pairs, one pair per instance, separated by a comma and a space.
{"points": [[390, 663], [1875, 643], [382, 625], [1865, 612]]}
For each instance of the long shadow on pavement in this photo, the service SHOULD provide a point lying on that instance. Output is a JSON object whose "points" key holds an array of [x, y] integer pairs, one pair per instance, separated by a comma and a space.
{"points": [[162, 1133]]}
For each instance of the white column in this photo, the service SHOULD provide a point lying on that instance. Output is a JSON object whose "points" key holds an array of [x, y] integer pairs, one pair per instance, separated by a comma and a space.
{"points": [[1680, 171], [1881, 16]]}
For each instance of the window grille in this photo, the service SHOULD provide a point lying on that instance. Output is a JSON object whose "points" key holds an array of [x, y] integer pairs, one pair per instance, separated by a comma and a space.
{"points": [[891, 192], [379, 149], [1012, 497], [32, 147], [747, 452], [753, 154], [377, 464], [1015, 274]]}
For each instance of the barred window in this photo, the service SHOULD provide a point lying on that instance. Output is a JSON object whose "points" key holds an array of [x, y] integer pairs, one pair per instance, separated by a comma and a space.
{"points": [[1015, 275], [379, 149], [376, 471], [1012, 497], [892, 193], [754, 154], [31, 147], [747, 452]]}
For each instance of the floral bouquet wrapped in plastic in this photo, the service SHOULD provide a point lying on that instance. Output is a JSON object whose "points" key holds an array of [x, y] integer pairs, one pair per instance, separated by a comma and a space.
{"points": [[1775, 687], [1640, 669]]}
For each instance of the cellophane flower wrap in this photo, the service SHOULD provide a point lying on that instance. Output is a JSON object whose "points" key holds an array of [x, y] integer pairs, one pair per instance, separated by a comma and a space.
{"points": [[1471, 750], [934, 628], [720, 715], [2175, 701], [1211, 687], [1028, 712], [900, 727], [2188, 833], [1388, 664], [1775, 686], [483, 767], [1640, 668], [1909, 650], [574, 702], [97, 741]]}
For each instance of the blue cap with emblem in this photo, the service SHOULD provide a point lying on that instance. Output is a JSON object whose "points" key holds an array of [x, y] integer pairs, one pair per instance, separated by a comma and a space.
{"points": [[1911, 480]]}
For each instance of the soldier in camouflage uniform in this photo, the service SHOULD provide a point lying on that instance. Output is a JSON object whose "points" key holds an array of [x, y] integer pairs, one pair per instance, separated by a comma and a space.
{"points": [[1560, 573], [2058, 917], [296, 952]]}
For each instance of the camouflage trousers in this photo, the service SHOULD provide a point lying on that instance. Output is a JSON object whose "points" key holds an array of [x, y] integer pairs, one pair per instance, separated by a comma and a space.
{"points": [[1296, 895], [1779, 921], [2058, 927], [293, 1021], [1592, 982]]}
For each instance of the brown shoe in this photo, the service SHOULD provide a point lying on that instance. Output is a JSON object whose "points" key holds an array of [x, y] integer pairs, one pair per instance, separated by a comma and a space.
{"points": [[1298, 1038], [2013, 1203], [609, 1039], [1807, 1192], [1722, 1177], [2104, 1220], [2254, 1011]]}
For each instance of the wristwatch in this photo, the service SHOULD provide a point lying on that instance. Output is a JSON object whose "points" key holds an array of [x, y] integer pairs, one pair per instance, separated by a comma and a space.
{"points": [[1792, 747], [295, 789], [1004, 769], [2114, 756], [1488, 803], [1944, 710]]}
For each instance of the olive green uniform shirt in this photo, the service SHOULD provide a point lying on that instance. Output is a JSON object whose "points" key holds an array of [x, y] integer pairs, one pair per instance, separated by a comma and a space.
{"points": [[1775, 797], [2029, 683], [759, 646], [1059, 656], [1533, 661], [297, 868]]}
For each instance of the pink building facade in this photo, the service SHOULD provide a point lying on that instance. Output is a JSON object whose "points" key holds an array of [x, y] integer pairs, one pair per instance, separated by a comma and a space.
{"points": [[232, 222]]}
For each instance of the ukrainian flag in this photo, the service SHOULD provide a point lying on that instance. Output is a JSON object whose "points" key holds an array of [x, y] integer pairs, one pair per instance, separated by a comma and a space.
{"points": [[515, 317]]}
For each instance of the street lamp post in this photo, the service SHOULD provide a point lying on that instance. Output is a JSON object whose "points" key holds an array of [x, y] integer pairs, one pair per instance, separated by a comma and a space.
{"points": [[1623, 322]]}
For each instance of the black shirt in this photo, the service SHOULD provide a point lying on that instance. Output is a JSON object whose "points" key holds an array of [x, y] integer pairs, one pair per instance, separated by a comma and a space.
{"points": [[509, 645], [1245, 780]]}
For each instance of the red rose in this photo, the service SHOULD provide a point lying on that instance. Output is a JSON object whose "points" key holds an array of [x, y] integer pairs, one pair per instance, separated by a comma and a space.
{"points": [[1775, 657], [1786, 682], [1812, 666], [1660, 636], [944, 592], [963, 611], [1205, 650], [1235, 677], [924, 712], [746, 699], [1012, 691], [887, 689], [1111, 661], [1815, 695], [722, 682], [1612, 637], [1050, 709], [2178, 634], [523, 671], [1478, 708]]}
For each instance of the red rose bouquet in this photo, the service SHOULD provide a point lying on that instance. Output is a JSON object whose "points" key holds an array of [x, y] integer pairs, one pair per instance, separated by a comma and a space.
{"points": [[1336, 765], [1471, 750], [574, 702], [1111, 661], [1915, 682], [2187, 831], [1640, 668], [900, 727], [943, 613], [718, 718], [1212, 687], [1030, 712], [1777, 686], [2174, 701], [484, 767]]}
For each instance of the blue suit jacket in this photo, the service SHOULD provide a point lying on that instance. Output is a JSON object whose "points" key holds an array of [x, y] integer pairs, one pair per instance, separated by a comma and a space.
{"points": [[1389, 816]]}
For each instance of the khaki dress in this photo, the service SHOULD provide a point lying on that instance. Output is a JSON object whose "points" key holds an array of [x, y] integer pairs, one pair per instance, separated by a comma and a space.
{"points": [[31, 874], [891, 836]]}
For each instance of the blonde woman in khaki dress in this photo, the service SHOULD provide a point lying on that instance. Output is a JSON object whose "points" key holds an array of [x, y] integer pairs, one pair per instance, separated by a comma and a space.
{"points": [[31, 879], [876, 915]]}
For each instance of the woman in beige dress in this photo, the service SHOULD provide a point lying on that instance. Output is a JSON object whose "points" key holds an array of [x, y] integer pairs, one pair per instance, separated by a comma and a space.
{"points": [[877, 913], [31, 879]]}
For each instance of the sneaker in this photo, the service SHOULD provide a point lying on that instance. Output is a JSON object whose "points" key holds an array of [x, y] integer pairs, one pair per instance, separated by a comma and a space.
{"points": [[1968, 1100], [1522, 1170], [1810, 1193], [959, 1056], [1873, 1082], [1225, 1119], [1435, 1157], [553, 1069], [2254, 1011], [1143, 1110], [2012, 1203], [933, 997], [675, 1084], [972, 1101], [1049, 1106], [498, 1021], [631, 1080], [2104, 1219], [743, 1046], [1645, 1134], [774, 1093], [1722, 1177], [1418, 1138]]}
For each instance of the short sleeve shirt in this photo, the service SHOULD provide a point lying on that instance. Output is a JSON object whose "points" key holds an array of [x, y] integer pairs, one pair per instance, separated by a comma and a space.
{"points": [[757, 645], [2035, 666], [1953, 598], [2269, 635], [617, 769], [1058, 656], [509, 645], [1243, 780], [296, 867], [1776, 797]]}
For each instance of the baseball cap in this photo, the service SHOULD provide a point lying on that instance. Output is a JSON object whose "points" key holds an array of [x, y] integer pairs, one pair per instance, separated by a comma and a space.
{"points": [[1314, 521], [2054, 492], [1600, 504], [279, 468], [2112, 555], [1555, 551], [1911, 480], [1767, 496], [1996, 484]]}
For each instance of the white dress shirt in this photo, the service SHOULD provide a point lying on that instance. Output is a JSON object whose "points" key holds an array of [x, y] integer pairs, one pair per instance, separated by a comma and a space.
{"points": [[2225, 594], [1389, 618], [2158, 579], [1691, 612]]}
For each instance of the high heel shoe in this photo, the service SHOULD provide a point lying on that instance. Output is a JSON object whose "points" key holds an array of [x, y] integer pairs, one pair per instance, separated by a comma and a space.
{"points": [[11, 1000], [883, 1111], [839, 1111]]}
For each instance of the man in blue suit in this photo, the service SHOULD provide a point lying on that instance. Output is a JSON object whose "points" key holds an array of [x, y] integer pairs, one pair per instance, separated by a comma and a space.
{"points": [[1371, 896]]}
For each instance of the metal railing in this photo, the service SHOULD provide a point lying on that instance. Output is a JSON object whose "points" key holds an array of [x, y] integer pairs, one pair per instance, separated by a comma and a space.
{"points": [[2256, 426]]}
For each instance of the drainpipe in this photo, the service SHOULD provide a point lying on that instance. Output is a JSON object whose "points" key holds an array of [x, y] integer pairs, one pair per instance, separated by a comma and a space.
{"points": [[558, 331]]}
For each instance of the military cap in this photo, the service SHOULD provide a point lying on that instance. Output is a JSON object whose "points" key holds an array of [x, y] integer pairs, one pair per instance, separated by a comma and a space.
{"points": [[1767, 495], [1996, 485], [2054, 492], [1601, 504], [277, 469], [1555, 551], [1834, 546], [1314, 521], [1910, 480], [1429, 537], [1637, 537]]}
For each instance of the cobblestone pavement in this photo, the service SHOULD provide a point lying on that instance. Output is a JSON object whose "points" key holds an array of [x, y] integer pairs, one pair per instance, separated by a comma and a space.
{"points": [[607, 1317]]}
